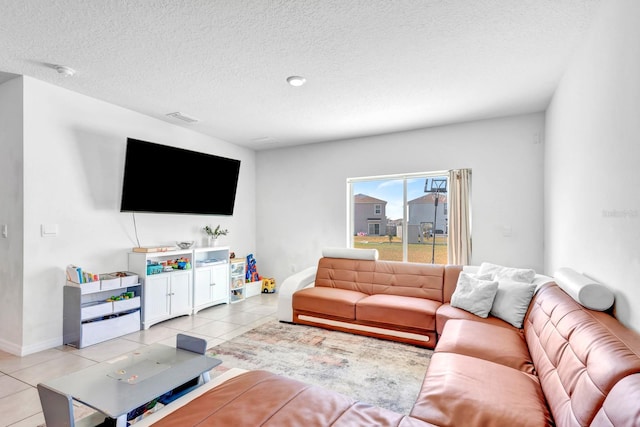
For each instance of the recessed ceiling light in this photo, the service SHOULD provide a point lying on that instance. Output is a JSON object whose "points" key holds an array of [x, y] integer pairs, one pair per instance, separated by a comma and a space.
{"points": [[64, 70], [296, 80]]}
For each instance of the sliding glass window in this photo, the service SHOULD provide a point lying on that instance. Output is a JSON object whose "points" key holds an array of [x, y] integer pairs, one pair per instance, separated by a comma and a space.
{"points": [[404, 217]]}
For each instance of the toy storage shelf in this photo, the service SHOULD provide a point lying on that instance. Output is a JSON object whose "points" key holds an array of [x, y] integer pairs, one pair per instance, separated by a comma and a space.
{"points": [[237, 274], [88, 317]]}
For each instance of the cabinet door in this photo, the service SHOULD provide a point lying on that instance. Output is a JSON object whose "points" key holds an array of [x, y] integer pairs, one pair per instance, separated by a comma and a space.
{"points": [[219, 282], [156, 296], [180, 291], [202, 286]]}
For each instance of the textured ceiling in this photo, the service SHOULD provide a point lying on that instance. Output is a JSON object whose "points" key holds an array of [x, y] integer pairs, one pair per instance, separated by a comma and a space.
{"points": [[372, 66]]}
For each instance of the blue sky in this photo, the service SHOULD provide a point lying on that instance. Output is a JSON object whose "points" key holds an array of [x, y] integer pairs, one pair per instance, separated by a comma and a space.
{"points": [[390, 190]]}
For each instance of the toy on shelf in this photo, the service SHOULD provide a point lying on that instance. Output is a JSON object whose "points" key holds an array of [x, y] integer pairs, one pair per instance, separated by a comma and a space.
{"points": [[77, 275], [156, 267], [252, 270], [122, 296]]}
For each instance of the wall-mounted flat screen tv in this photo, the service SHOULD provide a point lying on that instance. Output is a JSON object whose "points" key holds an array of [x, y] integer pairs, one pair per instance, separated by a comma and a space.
{"points": [[163, 179]]}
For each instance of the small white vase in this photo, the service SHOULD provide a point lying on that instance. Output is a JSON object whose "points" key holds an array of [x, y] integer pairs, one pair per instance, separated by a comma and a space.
{"points": [[213, 241]]}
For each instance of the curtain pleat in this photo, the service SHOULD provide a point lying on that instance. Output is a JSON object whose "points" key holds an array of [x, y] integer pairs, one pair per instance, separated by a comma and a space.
{"points": [[459, 247]]}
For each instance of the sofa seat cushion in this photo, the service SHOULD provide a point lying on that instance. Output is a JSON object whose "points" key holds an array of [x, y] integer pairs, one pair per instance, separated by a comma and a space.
{"points": [[260, 398], [327, 301], [488, 342], [446, 312], [400, 311], [465, 391]]}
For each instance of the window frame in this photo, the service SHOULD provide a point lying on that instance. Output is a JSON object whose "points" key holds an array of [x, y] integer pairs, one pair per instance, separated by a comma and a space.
{"points": [[405, 211]]}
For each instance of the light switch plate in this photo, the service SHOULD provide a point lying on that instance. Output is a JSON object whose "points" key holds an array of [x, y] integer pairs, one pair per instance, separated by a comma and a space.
{"points": [[5, 231]]}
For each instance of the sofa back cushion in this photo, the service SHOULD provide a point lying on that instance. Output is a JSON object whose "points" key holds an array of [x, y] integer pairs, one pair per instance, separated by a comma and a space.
{"points": [[385, 277], [579, 354], [344, 273], [451, 274], [409, 279]]}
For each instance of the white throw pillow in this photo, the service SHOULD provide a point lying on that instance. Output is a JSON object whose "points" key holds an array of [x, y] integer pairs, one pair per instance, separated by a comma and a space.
{"points": [[499, 273], [474, 295], [512, 301]]}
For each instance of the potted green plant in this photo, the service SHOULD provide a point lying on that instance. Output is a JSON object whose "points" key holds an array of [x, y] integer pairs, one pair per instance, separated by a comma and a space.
{"points": [[213, 234]]}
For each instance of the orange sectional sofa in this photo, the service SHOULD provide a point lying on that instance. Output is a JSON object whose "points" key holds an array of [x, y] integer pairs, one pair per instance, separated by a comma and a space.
{"points": [[567, 366], [352, 291], [377, 298]]}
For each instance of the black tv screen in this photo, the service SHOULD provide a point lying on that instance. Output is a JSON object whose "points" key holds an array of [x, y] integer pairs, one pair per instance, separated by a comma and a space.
{"points": [[163, 179]]}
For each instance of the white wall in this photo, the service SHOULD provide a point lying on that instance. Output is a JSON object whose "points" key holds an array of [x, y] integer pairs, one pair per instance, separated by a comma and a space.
{"points": [[74, 150], [11, 214], [302, 191], [592, 178]]}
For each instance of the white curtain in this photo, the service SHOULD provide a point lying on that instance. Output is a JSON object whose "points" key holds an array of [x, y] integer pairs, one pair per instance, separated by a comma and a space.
{"points": [[459, 247]]}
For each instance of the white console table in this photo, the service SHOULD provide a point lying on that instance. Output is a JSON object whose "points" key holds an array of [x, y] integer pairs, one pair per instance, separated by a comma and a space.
{"points": [[179, 292]]}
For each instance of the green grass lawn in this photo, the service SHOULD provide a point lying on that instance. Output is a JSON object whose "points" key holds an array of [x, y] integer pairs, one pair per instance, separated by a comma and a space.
{"points": [[392, 251]]}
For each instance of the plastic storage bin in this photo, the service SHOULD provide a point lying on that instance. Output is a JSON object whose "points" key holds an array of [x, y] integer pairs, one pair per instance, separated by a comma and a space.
{"points": [[154, 269]]}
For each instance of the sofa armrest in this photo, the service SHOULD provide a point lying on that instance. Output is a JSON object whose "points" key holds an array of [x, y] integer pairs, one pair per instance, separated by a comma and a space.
{"points": [[156, 416], [300, 280]]}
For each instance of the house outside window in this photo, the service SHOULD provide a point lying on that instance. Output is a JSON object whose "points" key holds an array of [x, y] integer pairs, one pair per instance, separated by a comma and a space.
{"points": [[407, 224], [363, 220]]}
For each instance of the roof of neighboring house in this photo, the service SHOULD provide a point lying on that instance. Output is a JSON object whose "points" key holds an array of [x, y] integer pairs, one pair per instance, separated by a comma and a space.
{"points": [[363, 198], [429, 199]]}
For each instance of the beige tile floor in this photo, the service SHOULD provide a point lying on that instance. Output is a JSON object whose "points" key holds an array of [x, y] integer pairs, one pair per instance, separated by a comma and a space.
{"points": [[19, 401]]}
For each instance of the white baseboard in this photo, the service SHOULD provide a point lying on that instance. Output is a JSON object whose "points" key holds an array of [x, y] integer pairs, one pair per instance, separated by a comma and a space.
{"points": [[19, 350]]}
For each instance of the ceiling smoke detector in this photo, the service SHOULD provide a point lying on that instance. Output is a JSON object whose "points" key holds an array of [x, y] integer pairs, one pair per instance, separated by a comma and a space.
{"points": [[64, 70], [184, 117]]}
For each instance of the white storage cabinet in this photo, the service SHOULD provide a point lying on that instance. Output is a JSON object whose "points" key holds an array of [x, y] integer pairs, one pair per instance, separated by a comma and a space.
{"points": [[166, 294], [88, 317], [211, 277]]}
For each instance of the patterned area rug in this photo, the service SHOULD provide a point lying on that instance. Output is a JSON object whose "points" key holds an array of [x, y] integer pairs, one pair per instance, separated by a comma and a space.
{"points": [[379, 372]]}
